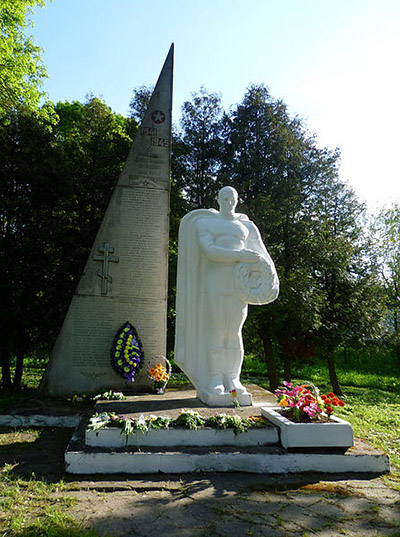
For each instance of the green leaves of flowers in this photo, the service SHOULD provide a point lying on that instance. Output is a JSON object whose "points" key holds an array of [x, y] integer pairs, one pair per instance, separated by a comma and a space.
{"points": [[187, 419], [190, 419]]}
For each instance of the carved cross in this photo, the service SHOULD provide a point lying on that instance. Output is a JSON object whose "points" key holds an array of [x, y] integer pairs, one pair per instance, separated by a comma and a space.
{"points": [[106, 258]]}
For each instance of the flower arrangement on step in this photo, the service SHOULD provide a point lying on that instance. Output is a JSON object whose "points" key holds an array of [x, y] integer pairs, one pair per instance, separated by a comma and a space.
{"points": [[110, 395], [126, 353], [304, 403], [159, 372], [187, 419]]}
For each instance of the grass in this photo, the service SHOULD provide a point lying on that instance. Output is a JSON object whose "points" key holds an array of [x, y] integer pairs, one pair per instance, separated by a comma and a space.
{"points": [[34, 508]]}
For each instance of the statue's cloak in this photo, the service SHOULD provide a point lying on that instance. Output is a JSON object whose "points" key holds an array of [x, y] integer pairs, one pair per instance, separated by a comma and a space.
{"points": [[191, 330]]}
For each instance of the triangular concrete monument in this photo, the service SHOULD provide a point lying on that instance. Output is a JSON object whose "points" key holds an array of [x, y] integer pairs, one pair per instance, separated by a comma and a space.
{"points": [[125, 277]]}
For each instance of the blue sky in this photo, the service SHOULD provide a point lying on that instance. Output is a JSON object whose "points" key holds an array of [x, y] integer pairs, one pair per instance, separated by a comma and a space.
{"points": [[335, 63]]}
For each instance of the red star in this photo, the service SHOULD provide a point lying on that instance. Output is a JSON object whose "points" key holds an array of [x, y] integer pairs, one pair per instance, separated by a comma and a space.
{"points": [[158, 116]]}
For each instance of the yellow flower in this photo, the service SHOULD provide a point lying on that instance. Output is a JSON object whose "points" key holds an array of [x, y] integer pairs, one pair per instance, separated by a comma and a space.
{"points": [[283, 403]]}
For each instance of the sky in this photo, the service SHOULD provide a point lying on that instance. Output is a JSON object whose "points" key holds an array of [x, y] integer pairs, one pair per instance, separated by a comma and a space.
{"points": [[335, 63]]}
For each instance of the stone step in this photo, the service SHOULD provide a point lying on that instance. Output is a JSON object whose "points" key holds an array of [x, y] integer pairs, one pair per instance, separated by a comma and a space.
{"points": [[172, 451], [272, 460], [81, 458]]}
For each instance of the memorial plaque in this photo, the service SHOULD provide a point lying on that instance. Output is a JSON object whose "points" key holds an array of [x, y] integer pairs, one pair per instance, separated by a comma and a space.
{"points": [[125, 277]]}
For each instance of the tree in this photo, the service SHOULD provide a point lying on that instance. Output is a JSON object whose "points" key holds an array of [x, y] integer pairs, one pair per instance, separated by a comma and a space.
{"points": [[55, 186], [140, 102], [352, 308], [386, 228], [272, 161], [310, 223], [28, 191], [197, 149], [21, 68]]}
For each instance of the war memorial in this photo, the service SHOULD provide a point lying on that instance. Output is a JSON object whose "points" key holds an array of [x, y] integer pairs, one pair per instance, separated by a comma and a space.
{"points": [[220, 424]]}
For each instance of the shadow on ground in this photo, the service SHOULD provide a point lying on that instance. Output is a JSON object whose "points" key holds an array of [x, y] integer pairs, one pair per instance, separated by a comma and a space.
{"points": [[200, 505]]}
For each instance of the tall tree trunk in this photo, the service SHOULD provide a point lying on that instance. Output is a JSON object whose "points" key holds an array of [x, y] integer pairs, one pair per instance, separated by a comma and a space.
{"points": [[337, 390], [396, 338], [19, 366], [270, 362], [5, 368]]}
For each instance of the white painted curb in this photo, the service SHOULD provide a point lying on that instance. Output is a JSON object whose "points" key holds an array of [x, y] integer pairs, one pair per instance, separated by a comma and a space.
{"points": [[79, 462]]}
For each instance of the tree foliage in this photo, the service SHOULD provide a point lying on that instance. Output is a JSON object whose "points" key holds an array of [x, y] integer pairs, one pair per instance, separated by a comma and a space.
{"points": [[386, 229], [310, 222], [55, 185], [197, 149], [21, 68], [346, 273], [58, 168], [139, 102]]}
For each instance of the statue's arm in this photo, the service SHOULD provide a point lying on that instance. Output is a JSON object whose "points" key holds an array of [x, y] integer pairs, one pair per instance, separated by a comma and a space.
{"points": [[214, 252], [222, 255]]}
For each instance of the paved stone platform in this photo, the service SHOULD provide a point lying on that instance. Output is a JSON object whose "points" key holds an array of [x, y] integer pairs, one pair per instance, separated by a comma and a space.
{"points": [[238, 505], [174, 400]]}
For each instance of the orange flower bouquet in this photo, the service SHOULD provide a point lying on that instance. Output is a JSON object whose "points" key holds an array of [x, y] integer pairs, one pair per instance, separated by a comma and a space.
{"points": [[159, 372]]}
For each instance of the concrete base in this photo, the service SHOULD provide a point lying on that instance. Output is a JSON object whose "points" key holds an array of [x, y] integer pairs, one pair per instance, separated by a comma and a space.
{"points": [[252, 460], [335, 433], [109, 454], [41, 413], [225, 400]]}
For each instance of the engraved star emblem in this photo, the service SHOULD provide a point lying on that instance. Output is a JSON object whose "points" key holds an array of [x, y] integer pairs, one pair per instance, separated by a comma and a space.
{"points": [[158, 116]]}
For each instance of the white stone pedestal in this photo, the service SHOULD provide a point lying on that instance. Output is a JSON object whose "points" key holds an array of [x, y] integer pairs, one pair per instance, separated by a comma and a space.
{"points": [[225, 400]]}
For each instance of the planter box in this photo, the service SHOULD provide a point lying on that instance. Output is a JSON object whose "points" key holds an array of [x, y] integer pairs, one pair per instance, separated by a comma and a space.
{"points": [[337, 433], [111, 437]]}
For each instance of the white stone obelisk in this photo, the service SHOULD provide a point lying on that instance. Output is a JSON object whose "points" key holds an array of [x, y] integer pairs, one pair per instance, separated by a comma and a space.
{"points": [[125, 277]]}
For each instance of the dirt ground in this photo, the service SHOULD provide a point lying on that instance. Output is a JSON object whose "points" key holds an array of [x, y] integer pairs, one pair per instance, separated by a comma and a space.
{"points": [[218, 505]]}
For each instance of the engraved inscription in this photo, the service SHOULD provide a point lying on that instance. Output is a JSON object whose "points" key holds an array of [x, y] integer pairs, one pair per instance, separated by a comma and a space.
{"points": [[148, 131], [148, 318], [153, 171], [160, 142], [146, 214], [92, 334]]}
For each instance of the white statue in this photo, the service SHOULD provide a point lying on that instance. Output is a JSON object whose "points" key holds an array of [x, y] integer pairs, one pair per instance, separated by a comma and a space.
{"points": [[223, 266]]}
